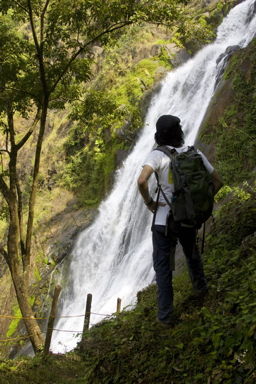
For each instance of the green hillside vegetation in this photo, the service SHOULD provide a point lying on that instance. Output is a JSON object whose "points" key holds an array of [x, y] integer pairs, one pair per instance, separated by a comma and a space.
{"points": [[213, 340], [229, 126]]}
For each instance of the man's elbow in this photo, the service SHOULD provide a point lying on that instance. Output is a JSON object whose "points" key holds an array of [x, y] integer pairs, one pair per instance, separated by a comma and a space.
{"points": [[142, 181], [144, 176]]}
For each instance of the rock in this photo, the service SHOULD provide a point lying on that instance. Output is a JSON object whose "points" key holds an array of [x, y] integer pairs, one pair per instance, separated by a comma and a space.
{"points": [[206, 3], [122, 131], [222, 61], [121, 156], [180, 57], [222, 98], [65, 228], [145, 102], [156, 49], [225, 96], [97, 51], [172, 48], [251, 13], [160, 73], [176, 54], [228, 52]]}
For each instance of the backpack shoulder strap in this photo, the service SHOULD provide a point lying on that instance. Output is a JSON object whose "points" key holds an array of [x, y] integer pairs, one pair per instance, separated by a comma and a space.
{"points": [[169, 152], [192, 148], [172, 152]]}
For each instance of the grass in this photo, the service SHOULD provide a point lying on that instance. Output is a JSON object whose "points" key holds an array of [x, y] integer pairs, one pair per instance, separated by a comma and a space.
{"points": [[213, 340]]}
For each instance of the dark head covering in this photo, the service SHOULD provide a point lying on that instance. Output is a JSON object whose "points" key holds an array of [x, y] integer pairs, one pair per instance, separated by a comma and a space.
{"points": [[168, 131]]}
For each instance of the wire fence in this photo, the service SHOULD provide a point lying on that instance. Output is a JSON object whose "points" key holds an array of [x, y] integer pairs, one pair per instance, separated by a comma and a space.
{"points": [[52, 317], [55, 317], [65, 330], [15, 339]]}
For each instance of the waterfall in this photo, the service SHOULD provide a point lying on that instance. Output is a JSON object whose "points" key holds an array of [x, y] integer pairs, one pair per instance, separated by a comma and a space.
{"points": [[112, 258]]}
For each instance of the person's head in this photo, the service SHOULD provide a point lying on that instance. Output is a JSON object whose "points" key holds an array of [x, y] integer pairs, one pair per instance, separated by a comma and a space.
{"points": [[168, 131]]}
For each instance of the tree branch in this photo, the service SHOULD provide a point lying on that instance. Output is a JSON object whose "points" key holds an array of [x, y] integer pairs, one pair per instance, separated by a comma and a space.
{"points": [[4, 253], [20, 5], [4, 150], [32, 197], [30, 131], [4, 189], [81, 49], [31, 19], [2, 162], [20, 90], [45, 7], [42, 21], [11, 127], [15, 201], [38, 48], [25, 138], [21, 227]]}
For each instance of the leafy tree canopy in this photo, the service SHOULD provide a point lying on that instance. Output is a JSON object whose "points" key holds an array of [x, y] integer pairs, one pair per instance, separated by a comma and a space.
{"points": [[58, 36]]}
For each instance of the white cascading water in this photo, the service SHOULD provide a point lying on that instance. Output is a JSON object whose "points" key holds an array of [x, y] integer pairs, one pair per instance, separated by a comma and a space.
{"points": [[112, 258]]}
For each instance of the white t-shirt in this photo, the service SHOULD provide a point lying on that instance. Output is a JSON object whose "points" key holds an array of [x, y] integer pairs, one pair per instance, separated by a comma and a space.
{"points": [[159, 161]]}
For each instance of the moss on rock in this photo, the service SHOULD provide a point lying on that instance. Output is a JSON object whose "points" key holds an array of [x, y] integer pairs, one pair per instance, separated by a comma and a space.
{"points": [[229, 126]]}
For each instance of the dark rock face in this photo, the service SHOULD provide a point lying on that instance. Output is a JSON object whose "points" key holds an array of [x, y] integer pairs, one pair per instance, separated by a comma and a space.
{"points": [[121, 156], [177, 56], [227, 53], [227, 132], [223, 60], [69, 224], [251, 13], [222, 98], [180, 57]]}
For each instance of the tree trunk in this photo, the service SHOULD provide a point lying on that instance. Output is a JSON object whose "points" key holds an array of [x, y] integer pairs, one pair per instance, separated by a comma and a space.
{"points": [[21, 277], [18, 255], [31, 324], [32, 198]]}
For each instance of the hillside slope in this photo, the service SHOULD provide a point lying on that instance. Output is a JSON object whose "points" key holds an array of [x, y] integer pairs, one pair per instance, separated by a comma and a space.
{"points": [[213, 340]]}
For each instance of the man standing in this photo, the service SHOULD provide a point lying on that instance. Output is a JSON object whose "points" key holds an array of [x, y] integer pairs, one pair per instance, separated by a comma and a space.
{"points": [[169, 133]]}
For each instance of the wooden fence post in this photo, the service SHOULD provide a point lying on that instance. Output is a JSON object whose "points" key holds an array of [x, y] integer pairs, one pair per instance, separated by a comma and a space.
{"points": [[87, 312], [51, 319], [118, 305]]}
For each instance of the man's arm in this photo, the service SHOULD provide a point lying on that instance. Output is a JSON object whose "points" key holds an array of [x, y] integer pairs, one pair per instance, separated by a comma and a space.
{"points": [[217, 181], [143, 187]]}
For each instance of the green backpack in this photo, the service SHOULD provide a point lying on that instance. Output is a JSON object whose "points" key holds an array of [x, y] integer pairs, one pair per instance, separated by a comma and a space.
{"points": [[193, 196]]}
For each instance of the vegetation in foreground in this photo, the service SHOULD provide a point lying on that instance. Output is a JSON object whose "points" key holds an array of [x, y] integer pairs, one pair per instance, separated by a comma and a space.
{"points": [[213, 340], [76, 156]]}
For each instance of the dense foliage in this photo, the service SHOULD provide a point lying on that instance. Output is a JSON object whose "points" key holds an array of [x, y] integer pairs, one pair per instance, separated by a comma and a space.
{"points": [[213, 340]]}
